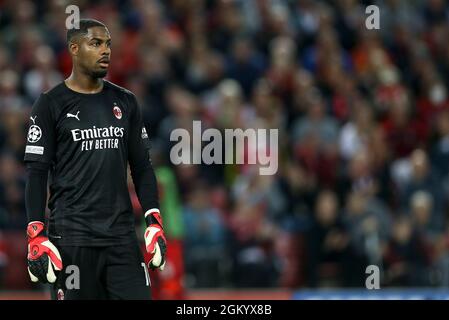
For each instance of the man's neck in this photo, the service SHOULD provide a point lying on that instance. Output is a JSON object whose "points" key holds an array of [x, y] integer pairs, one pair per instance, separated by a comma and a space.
{"points": [[83, 83]]}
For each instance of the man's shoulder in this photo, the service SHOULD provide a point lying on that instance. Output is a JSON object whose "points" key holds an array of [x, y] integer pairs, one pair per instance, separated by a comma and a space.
{"points": [[120, 90], [59, 88], [57, 92]]}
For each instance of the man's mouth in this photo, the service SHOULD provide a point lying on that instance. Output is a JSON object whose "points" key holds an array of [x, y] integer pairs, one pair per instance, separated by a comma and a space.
{"points": [[104, 63]]}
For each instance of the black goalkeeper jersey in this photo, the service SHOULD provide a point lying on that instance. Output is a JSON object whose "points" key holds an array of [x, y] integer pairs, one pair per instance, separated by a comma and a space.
{"points": [[87, 139]]}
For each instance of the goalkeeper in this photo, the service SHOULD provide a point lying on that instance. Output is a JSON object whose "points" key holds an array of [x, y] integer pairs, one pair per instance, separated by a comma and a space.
{"points": [[84, 132]]}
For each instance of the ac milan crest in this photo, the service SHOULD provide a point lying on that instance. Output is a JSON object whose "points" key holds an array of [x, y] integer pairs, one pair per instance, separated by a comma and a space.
{"points": [[117, 112], [60, 295]]}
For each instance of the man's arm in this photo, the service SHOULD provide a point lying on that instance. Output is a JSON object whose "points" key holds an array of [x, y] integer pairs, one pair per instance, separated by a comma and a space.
{"points": [[43, 257], [145, 184], [36, 191], [146, 187]]}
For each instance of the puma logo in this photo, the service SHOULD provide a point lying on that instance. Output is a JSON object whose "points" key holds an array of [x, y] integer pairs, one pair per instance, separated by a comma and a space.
{"points": [[33, 119], [69, 115]]}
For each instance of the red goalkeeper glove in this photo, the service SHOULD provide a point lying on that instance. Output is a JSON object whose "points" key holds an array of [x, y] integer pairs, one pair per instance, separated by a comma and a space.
{"points": [[155, 242], [43, 257]]}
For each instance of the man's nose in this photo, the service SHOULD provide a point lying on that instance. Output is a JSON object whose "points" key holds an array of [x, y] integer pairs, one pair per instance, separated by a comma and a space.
{"points": [[106, 51]]}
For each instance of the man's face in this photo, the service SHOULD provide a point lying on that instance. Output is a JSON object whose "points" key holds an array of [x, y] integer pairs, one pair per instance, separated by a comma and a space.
{"points": [[94, 52]]}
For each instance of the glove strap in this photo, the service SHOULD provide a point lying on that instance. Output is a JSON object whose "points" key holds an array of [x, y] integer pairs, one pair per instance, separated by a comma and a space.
{"points": [[34, 229], [153, 216]]}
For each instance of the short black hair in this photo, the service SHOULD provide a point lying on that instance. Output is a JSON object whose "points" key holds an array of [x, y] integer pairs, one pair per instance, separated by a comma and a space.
{"points": [[84, 26]]}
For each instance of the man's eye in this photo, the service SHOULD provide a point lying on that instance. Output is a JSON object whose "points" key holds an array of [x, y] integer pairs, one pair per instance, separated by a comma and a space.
{"points": [[96, 44]]}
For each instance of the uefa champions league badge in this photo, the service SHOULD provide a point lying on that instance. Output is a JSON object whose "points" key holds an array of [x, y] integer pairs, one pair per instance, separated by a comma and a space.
{"points": [[34, 132], [117, 112]]}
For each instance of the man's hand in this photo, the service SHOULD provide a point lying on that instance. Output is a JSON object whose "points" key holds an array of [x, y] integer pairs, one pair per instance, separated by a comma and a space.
{"points": [[43, 257], [155, 242]]}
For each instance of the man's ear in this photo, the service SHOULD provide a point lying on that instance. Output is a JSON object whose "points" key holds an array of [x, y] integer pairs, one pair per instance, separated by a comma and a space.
{"points": [[73, 48]]}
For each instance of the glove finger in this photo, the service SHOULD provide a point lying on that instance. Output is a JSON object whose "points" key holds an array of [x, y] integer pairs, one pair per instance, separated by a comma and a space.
{"points": [[162, 266], [51, 277], [54, 255], [32, 276], [157, 258], [162, 246], [151, 233]]}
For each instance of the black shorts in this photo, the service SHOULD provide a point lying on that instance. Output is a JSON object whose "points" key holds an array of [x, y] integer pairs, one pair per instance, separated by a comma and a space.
{"points": [[115, 272]]}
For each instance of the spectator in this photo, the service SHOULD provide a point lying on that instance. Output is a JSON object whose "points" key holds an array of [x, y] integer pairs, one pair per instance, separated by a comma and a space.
{"points": [[422, 178], [421, 206], [43, 76], [328, 251], [407, 257], [12, 190], [369, 224], [315, 139], [355, 135], [205, 239]]}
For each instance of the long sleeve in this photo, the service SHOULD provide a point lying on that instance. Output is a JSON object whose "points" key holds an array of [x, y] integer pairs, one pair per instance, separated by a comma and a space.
{"points": [[140, 162], [36, 191], [39, 155]]}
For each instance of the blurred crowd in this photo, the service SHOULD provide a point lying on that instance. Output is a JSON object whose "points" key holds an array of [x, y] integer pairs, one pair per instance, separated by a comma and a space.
{"points": [[363, 120]]}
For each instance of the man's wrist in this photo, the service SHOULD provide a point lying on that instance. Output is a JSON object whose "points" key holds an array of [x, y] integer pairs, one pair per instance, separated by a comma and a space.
{"points": [[153, 216], [35, 228]]}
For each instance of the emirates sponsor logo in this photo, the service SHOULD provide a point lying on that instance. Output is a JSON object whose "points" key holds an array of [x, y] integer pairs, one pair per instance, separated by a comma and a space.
{"points": [[95, 133], [98, 138]]}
